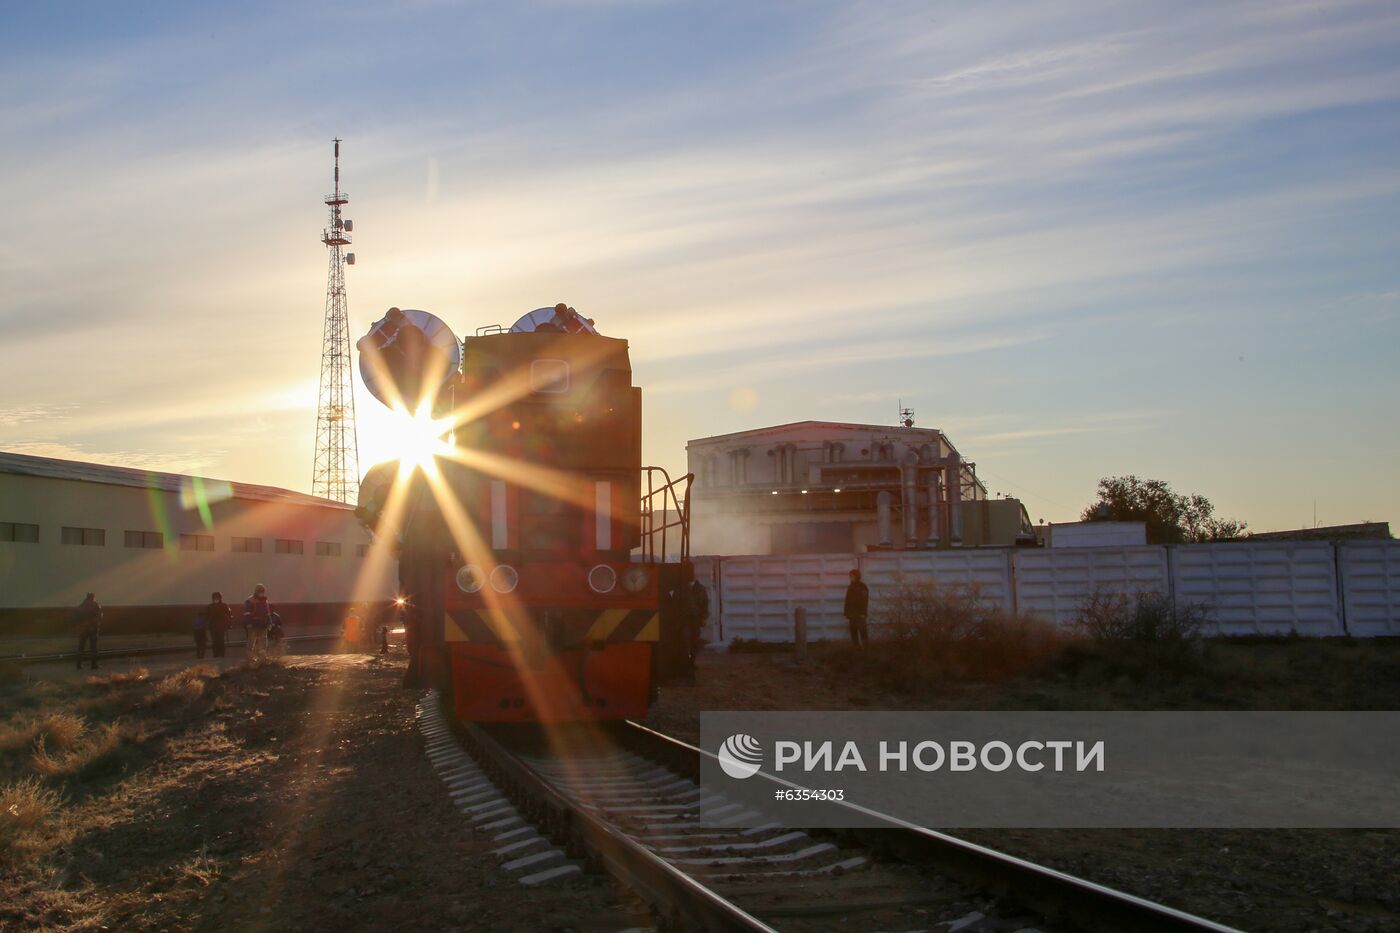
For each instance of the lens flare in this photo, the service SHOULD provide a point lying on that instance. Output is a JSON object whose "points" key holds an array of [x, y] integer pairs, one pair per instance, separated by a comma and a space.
{"points": [[418, 438]]}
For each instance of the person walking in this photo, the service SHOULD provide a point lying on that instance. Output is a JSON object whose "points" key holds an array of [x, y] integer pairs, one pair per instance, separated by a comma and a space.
{"points": [[218, 617], [87, 619], [856, 608], [257, 616], [201, 634]]}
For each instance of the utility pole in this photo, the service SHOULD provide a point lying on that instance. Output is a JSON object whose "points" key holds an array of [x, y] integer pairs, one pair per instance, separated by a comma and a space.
{"points": [[336, 472]]}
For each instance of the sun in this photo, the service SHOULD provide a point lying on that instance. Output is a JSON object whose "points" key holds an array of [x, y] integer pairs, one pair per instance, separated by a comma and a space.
{"points": [[411, 438]]}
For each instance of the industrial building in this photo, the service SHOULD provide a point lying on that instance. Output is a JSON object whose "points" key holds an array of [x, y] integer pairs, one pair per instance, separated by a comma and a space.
{"points": [[816, 487], [153, 546]]}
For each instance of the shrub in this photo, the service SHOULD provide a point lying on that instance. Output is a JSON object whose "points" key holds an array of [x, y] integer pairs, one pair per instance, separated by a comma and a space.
{"points": [[927, 633], [1144, 617]]}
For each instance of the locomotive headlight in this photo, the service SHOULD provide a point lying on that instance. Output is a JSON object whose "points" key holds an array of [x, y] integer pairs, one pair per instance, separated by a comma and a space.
{"points": [[470, 578], [504, 579], [635, 579], [602, 579]]}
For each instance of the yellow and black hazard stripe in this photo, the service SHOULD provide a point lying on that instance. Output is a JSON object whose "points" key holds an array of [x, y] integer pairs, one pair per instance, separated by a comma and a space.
{"points": [[577, 626]]}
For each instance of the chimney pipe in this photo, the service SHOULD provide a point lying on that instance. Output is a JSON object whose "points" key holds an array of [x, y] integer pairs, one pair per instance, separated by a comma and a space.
{"points": [[882, 506], [909, 499], [935, 505]]}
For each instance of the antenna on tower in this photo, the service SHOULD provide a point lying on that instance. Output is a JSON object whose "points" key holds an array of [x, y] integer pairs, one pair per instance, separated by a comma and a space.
{"points": [[906, 415], [336, 471]]}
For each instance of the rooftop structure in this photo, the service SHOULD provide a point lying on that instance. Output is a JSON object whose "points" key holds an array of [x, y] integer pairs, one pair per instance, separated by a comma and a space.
{"points": [[837, 487]]}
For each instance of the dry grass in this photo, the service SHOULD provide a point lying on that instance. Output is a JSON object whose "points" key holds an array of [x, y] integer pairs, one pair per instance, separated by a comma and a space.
{"points": [[137, 675], [102, 749], [25, 806], [57, 730], [186, 686], [199, 870], [927, 634], [253, 664]]}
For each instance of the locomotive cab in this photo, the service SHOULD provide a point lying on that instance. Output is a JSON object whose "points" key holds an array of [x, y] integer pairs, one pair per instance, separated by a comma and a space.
{"points": [[547, 618]]}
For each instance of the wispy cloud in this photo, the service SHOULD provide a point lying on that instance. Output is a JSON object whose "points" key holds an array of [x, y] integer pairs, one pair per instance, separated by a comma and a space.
{"points": [[987, 206]]}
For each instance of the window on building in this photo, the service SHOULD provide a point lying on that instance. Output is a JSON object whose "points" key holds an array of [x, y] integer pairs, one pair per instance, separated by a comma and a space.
{"points": [[196, 542], [245, 545], [91, 537], [288, 546], [149, 539], [19, 532], [362, 550], [327, 548]]}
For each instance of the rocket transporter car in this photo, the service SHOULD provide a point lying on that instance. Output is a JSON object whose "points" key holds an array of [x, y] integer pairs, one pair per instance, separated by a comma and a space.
{"points": [[533, 549]]}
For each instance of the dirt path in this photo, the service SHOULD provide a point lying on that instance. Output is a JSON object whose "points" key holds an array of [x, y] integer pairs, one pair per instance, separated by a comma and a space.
{"points": [[292, 796]]}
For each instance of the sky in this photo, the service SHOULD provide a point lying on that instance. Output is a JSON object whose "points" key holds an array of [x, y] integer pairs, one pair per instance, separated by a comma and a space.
{"points": [[1084, 239]]}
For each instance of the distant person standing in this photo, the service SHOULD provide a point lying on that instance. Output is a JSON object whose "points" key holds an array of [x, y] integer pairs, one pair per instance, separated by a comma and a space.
{"points": [[218, 617], [692, 606], [201, 634], [257, 616], [856, 609], [699, 612], [87, 619]]}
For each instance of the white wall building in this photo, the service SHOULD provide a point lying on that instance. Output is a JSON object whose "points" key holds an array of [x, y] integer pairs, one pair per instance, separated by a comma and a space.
{"points": [[831, 487], [153, 546]]}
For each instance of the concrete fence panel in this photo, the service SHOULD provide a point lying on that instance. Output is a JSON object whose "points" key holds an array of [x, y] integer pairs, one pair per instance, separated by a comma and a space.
{"points": [[1054, 582], [1370, 576], [759, 595], [1261, 588], [987, 570]]}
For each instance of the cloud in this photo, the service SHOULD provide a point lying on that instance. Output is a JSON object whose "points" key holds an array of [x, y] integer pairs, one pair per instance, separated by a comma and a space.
{"points": [[123, 458]]}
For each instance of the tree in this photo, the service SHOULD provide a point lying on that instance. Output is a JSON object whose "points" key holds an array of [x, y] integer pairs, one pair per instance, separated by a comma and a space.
{"points": [[1171, 518]]}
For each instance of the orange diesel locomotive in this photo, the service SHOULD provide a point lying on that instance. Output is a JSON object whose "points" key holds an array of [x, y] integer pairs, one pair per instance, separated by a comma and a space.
{"points": [[550, 575]]}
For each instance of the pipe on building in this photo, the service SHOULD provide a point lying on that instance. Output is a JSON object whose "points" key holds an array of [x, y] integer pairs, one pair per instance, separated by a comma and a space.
{"points": [[954, 482], [935, 505], [884, 503], [909, 497]]}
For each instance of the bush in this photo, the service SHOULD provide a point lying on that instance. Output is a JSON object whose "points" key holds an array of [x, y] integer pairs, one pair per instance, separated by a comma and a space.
{"points": [[1145, 617], [925, 634]]}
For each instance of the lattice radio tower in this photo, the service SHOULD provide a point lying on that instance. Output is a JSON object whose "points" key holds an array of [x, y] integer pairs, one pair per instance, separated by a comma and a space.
{"points": [[336, 474]]}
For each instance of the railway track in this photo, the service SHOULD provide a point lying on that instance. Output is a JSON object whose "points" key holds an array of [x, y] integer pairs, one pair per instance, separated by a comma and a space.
{"points": [[626, 799], [159, 651]]}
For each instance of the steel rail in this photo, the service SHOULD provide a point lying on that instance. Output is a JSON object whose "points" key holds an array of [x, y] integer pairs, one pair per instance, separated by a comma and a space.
{"points": [[1053, 894], [113, 653], [669, 891]]}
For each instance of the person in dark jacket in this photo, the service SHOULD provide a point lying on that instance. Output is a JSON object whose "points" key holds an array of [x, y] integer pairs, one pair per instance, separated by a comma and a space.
{"points": [[87, 619], [856, 608], [218, 617]]}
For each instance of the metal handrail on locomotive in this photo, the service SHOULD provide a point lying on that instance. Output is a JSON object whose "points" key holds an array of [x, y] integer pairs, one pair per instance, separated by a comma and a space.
{"points": [[516, 547]]}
